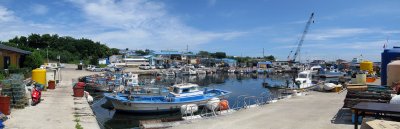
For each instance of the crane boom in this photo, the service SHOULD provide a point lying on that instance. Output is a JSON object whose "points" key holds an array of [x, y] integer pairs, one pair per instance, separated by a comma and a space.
{"points": [[297, 52]]}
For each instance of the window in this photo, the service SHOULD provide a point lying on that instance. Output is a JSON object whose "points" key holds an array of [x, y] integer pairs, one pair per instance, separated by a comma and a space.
{"points": [[193, 88], [302, 75], [176, 90], [186, 90]]}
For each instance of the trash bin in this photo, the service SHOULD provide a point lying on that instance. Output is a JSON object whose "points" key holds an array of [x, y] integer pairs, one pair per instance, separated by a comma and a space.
{"points": [[79, 89], [5, 105], [51, 84], [79, 67]]}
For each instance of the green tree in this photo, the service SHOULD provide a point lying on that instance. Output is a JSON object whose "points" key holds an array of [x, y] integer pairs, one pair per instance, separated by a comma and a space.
{"points": [[220, 55], [140, 52], [203, 54], [270, 58], [34, 60], [94, 61], [114, 51]]}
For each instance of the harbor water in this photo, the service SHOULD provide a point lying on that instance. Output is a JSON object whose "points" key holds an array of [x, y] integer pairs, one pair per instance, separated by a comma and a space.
{"points": [[238, 84]]}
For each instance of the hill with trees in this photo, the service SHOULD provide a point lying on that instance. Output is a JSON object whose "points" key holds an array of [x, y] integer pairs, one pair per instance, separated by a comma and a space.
{"points": [[69, 49]]}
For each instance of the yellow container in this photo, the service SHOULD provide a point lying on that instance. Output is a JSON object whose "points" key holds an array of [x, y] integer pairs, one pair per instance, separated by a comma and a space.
{"points": [[39, 76], [367, 66]]}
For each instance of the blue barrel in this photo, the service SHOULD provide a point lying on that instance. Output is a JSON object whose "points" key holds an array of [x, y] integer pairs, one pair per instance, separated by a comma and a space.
{"points": [[387, 56]]}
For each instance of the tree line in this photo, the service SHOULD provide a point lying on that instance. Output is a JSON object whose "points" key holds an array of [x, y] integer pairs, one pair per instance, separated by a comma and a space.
{"points": [[69, 49]]}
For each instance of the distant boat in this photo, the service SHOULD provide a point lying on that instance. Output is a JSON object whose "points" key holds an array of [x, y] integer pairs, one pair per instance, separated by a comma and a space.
{"points": [[188, 71], [331, 74], [181, 94], [315, 69], [201, 71], [169, 73]]}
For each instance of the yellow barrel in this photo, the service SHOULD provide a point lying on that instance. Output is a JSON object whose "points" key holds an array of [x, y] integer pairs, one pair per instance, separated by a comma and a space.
{"points": [[39, 76], [393, 72], [367, 66]]}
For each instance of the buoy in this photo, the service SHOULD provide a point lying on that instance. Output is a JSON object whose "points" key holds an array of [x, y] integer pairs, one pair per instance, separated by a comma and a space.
{"points": [[189, 108], [395, 100], [89, 98], [213, 104], [224, 105]]}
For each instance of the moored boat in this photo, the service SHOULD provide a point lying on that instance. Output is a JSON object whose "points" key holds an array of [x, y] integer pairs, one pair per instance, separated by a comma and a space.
{"points": [[181, 94]]}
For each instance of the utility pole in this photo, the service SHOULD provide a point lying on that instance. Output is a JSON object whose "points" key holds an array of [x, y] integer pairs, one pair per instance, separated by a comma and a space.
{"points": [[48, 53], [263, 53]]}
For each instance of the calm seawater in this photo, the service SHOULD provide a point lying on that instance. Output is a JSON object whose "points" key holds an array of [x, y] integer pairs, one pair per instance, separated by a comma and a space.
{"points": [[238, 84]]}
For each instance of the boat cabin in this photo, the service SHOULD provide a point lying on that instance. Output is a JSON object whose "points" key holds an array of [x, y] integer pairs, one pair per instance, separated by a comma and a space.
{"points": [[185, 90], [304, 74]]}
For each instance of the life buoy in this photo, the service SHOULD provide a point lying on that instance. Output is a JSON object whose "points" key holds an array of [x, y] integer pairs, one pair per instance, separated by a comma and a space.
{"points": [[223, 105]]}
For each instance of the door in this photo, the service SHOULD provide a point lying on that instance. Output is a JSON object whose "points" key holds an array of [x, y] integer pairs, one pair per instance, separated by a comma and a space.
{"points": [[6, 62]]}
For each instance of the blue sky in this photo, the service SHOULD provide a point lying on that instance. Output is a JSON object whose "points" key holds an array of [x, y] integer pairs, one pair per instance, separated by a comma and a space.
{"points": [[342, 29]]}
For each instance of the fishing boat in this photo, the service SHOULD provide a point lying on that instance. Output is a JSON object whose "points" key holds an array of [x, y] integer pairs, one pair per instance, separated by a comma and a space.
{"points": [[315, 69], [231, 70], [304, 79], [181, 94], [201, 71], [169, 73], [331, 73], [133, 79], [188, 71]]}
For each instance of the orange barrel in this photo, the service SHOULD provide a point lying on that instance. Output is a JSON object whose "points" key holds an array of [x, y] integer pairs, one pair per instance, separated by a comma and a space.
{"points": [[52, 84], [223, 105], [5, 105]]}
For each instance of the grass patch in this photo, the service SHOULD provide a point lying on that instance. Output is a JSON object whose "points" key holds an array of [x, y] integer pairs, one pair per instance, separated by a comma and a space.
{"points": [[78, 126]]}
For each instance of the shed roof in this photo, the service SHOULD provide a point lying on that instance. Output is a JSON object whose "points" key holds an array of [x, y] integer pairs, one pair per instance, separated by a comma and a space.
{"points": [[266, 62], [9, 48]]}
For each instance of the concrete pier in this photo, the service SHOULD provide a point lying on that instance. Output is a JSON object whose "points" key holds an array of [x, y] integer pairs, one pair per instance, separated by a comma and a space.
{"points": [[58, 108], [314, 111]]}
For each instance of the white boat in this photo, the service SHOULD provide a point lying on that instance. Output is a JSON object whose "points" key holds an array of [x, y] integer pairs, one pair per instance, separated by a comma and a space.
{"points": [[315, 69], [231, 70], [181, 94], [169, 73], [331, 73], [188, 71], [133, 79], [304, 79], [330, 86], [201, 71]]}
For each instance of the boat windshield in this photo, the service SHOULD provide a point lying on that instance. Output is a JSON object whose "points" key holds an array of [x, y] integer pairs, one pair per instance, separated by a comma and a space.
{"points": [[302, 75], [176, 90]]}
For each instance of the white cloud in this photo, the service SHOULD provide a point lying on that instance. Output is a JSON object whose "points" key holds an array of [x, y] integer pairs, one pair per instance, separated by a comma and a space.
{"points": [[39, 9], [6, 15], [144, 24], [326, 34]]}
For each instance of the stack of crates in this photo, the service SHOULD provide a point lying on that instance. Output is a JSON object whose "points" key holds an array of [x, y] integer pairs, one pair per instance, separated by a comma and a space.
{"points": [[15, 88]]}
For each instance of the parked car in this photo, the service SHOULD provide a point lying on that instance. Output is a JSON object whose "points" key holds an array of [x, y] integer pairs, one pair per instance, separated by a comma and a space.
{"points": [[90, 67], [159, 66], [144, 66], [152, 67], [97, 69]]}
